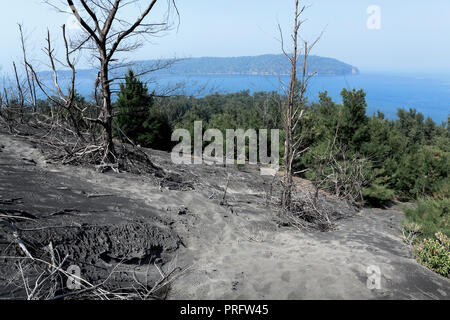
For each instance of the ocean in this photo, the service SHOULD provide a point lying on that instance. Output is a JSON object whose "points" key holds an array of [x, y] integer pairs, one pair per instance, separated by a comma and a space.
{"points": [[427, 93]]}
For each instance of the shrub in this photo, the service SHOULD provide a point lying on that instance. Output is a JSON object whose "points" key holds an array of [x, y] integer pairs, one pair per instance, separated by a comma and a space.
{"points": [[411, 231], [422, 172], [435, 253], [377, 194], [339, 171], [412, 227], [432, 215]]}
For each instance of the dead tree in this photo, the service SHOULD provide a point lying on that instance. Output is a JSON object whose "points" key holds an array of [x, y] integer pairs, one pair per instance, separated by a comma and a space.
{"points": [[2, 105], [55, 94], [20, 94], [25, 90], [105, 34], [296, 98], [343, 173], [30, 79]]}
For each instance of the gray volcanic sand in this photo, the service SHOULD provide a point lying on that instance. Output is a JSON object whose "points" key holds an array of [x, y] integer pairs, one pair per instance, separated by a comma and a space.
{"points": [[235, 251]]}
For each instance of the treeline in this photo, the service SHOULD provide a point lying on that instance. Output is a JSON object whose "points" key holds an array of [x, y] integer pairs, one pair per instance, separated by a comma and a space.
{"points": [[406, 158], [369, 159], [264, 64]]}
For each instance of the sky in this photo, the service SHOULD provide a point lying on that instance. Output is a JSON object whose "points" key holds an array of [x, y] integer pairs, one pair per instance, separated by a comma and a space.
{"points": [[394, 35]]}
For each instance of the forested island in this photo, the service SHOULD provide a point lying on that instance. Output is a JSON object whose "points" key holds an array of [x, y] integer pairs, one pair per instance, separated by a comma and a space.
{"points": [[268, 64]]}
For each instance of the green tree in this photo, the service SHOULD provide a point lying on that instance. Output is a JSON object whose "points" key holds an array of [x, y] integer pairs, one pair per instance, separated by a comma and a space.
{"points": [[138, 118], [410, 124], [353, 130]]}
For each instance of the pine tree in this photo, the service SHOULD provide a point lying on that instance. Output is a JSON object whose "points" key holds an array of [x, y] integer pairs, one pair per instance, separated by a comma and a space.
{"points": [[137, 116], [353, 130]]}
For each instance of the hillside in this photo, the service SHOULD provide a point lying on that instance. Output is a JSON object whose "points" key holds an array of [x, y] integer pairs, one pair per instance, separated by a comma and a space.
{"points": [[268, 64], [141, 226]]}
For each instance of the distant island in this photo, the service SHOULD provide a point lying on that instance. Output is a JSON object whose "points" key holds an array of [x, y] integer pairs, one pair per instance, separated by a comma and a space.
{"points": [[268, 64]]}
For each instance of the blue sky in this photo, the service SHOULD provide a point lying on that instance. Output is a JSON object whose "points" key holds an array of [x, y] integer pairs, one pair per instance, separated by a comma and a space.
{"points": [[414, 34]]}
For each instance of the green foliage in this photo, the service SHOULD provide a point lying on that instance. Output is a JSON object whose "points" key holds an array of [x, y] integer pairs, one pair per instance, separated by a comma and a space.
{"points": [[138, 118], [410, 125], [434, 253], [378, 194], [432, 215], [406, 158], [265, 64], [409, 157], [422, 172], [231, 111], [328, 115], [340, 171], [353, 126], [430, 221]]}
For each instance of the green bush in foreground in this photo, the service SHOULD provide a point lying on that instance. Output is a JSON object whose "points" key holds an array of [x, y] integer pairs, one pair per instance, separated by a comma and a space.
{"points": [[432, 215], [377, 194], [435, 253]]}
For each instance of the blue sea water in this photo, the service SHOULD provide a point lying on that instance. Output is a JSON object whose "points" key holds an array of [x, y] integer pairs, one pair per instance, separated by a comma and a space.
{"points": [[427, 93]]}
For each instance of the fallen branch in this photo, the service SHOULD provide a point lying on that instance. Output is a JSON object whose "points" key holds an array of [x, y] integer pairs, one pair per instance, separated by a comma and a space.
{"points": [[17, 239], [99, 195]]}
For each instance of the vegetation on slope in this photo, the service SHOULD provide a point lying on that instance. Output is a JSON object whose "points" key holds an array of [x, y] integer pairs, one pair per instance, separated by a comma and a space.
{"points": [[268, 64], [377, 159]]}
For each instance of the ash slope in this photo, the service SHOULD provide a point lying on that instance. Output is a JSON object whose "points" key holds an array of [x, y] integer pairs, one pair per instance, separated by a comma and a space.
{"points": [[236, 251]]}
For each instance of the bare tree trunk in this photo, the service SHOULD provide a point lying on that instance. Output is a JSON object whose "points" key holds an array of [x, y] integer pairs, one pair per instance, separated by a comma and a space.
{"points": [[21, 98], [295, 106], [98, 21], [107, 135], [288, 155], [30, 79]]}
